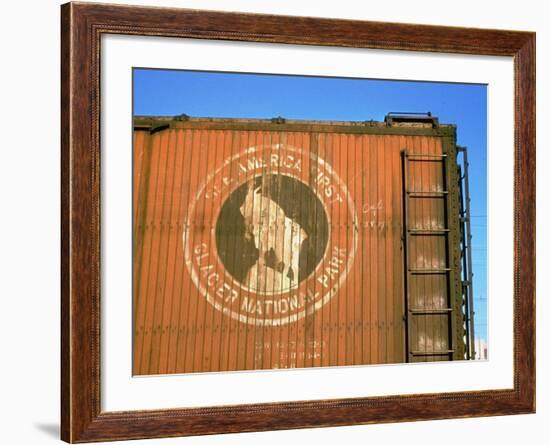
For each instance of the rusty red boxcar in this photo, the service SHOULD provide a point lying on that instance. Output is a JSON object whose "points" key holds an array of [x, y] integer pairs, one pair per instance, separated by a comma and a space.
{"points": [[264, 244]]}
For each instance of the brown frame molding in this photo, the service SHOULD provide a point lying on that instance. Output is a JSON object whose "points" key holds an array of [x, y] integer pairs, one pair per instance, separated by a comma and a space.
{"points": [[82, 25]]}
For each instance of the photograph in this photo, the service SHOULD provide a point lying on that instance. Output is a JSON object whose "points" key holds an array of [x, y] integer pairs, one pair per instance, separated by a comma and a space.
{"points": [[275, 222], [278, 221], [287, 221]]}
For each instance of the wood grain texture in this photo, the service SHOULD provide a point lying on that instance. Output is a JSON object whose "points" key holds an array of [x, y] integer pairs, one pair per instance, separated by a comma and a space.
{"points": [[166, 168], [82, 26]]}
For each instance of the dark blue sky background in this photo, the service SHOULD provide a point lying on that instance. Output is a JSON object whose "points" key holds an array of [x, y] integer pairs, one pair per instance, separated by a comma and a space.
{"points": [[208, 94]]}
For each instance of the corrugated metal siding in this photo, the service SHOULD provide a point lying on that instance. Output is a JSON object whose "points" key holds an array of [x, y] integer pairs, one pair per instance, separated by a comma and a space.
{"points": [[178, 331]]}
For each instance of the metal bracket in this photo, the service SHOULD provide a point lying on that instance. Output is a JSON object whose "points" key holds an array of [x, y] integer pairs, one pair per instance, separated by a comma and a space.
{"points": [[278, 120], [398, 117], [182, 117]]}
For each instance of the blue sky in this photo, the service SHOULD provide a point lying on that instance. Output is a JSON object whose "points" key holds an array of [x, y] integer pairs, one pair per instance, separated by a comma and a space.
{"points": [[209, 94]]}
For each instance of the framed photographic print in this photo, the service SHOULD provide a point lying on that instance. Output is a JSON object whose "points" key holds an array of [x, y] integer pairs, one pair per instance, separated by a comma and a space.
{"points": [[278, 222]]}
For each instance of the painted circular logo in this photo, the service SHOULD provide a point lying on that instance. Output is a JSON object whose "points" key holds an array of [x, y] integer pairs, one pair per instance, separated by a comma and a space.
{"points": [[271, 233], [266, 240]]}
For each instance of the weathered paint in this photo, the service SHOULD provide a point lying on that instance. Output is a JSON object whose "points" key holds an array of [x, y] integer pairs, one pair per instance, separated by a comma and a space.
{"points": [[343, 302]]}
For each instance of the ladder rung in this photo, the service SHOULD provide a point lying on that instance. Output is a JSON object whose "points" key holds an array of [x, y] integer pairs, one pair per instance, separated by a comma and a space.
{"points": [[428, 231], [432, 353], [430, 311], [414, 157], [427, 194], [429, 271]]}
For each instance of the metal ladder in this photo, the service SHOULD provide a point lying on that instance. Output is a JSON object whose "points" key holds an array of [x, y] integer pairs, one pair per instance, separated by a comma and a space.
{"points": [[466, 256], [411, 272]]}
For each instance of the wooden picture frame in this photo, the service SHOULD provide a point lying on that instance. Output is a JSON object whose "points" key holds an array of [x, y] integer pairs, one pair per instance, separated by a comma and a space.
{"points": [[82, 25]]}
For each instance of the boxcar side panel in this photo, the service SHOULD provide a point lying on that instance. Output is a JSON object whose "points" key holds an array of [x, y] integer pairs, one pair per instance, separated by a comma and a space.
{"points": [[268, 246]]}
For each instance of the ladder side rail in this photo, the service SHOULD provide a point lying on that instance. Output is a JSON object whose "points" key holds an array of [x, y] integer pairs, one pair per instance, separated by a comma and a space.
{"points": [[470, 294]]}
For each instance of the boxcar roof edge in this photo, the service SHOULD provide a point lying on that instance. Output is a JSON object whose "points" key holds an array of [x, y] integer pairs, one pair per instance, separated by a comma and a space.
{"points": [[410, 128]]}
